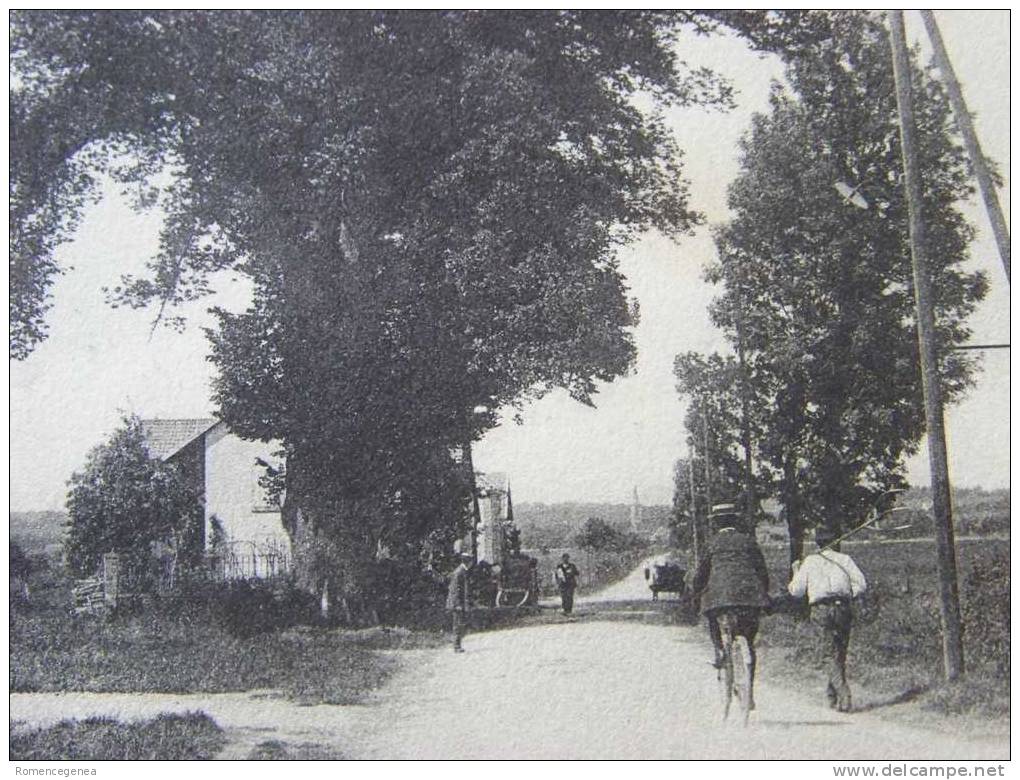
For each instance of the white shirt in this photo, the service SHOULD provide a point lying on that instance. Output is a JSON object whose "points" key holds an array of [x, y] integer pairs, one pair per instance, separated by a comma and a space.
{"points": [[827, 574]]}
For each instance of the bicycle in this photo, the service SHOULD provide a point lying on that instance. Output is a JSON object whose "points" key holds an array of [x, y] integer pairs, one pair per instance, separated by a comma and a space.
{"points": [[736, 672]]}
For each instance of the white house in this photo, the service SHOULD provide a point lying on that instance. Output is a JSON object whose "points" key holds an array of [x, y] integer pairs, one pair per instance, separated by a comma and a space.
{"points": [[243, 528], [495, 516]]}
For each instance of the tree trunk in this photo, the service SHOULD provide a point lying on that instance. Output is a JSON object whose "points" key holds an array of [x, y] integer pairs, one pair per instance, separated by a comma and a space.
{"points": [[791, 505], [332, 550]]}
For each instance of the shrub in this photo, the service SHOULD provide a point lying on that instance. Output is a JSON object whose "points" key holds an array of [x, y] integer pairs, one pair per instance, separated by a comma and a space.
{"points": [[124, 501], [246, 608], [985, 612], [167, 737]]}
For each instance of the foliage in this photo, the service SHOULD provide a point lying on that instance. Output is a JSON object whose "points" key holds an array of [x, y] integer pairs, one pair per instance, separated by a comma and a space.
{"points": [[822, 290], [714, 419], [420, 238], [19, 563], [597, 535], [247, 608], [985, 610], [192, 736], [124, 501]]}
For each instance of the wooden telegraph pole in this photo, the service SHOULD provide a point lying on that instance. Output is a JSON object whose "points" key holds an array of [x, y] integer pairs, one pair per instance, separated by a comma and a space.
{"points": [[695, 535], [745, 410], [970, 139], [952, 646], [708, 473]]}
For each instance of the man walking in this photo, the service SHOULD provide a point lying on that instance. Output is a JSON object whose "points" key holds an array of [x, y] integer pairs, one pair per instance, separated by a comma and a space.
{"points": [[567, 575], [830, 580], [457, 600]]}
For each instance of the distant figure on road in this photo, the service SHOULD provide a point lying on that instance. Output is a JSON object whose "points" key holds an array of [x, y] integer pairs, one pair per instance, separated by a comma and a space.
{"points": [[457, 600], [732, 582], [567, 575], [831, 580]]}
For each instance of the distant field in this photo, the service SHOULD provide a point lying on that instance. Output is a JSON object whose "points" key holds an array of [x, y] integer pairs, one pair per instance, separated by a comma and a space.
{"points": [[38, 532]]}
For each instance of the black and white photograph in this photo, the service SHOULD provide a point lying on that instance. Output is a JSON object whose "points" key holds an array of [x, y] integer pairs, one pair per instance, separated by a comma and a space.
{"points": [[510, 385]]}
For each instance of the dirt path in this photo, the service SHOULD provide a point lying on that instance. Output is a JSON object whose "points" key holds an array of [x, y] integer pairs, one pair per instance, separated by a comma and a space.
{"points": [[614, 681]]}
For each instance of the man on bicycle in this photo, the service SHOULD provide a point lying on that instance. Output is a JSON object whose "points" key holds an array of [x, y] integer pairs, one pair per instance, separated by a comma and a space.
{"points": [[732, 583]]}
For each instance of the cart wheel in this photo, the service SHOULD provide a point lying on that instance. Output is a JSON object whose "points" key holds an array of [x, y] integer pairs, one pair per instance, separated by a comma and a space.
{"points": [[507, 599]]}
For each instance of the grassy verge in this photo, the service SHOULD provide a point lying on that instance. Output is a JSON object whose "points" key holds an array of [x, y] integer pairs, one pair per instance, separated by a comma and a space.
{"points": [[153, 653], [275, 750], [168, 737], [895, 652]]}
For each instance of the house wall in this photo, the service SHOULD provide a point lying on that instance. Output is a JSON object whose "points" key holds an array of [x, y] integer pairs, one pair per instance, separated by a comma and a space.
{"points": [[492, 513], [234, 497]]}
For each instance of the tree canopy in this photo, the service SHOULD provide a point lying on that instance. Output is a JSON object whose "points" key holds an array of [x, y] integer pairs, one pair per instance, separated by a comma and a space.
{"points": [[429, 206], [823, 288]]}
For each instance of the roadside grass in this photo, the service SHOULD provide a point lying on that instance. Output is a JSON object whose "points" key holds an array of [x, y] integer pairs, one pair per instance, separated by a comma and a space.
{"points": [[193, 736], [188, 647], [153, 653], [275, 750], [895, 651]]}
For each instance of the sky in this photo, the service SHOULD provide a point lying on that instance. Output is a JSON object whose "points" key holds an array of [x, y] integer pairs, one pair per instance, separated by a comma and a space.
{"points": [[100, 363]]}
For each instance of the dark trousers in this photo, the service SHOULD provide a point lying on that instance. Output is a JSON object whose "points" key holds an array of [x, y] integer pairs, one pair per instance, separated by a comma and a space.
{"points": [[457, 621], [835, 619], [734, 621], [567, 594]]}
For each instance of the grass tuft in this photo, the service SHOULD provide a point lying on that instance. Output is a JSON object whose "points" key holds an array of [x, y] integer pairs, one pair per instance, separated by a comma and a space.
{"points": [[193, 736]]}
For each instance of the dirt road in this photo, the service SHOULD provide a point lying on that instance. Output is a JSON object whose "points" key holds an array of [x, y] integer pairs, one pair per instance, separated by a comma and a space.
{"points": [[614, 681]]}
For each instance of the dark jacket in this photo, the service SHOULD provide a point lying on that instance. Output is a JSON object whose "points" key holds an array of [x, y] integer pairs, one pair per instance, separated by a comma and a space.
{"points": [[732, 573], [457, 594], [566, 576]]}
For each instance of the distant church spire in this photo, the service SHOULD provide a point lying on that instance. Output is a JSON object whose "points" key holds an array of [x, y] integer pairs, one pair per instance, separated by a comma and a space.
{"points": [[635, 512]]}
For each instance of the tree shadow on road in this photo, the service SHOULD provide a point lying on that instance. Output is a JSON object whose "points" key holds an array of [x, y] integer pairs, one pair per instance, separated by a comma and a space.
{"points": [[788, 724], [660, 613], [901, 698]]}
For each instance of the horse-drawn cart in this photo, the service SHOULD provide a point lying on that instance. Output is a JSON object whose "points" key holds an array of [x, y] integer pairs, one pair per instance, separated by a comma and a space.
{"points": [[518, 582], [665, 577]]}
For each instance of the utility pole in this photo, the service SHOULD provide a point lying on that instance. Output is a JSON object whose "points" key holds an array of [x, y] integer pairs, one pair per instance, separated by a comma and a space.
{"points": [[695, 535], [708, 464], [952, 646], [745, 409], [970, 139]]}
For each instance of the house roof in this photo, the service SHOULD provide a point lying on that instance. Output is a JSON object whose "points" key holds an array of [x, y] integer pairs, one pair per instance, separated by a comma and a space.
{"points": [[165, 438]]}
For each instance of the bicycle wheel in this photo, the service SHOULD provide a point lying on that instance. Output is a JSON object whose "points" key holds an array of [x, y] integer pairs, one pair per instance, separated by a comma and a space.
{"points": [[725, 676], [740, 657]]}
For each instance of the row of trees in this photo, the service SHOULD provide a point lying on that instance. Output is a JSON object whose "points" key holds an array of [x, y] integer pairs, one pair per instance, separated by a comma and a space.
{"points": [[428, 205], [816, 290]]}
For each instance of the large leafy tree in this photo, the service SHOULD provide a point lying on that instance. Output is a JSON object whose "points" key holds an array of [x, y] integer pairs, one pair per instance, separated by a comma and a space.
{"points": [[429, 206], [124, 500], [823, 288]]}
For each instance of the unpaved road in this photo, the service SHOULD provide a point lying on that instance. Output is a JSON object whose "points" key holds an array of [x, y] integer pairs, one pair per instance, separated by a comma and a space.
{"points": [[614, 681]]}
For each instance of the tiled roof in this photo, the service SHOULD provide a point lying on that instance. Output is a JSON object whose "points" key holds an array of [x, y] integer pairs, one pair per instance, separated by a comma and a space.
{"points": [[168, 437]]}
